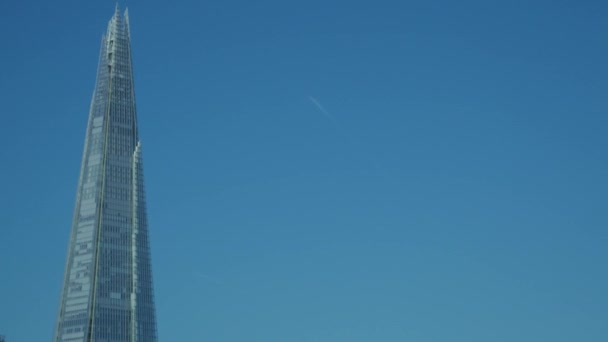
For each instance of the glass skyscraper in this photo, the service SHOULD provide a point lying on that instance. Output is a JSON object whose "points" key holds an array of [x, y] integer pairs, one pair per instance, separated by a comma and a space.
{"points": [[107, 293]]}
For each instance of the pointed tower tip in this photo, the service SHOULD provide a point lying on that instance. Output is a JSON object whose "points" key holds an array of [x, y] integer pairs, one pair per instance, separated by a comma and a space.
{"points": [[116, 11]]}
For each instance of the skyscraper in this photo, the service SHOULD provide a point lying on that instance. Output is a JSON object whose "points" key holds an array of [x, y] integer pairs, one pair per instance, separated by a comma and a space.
{"points": [[107, 291]]}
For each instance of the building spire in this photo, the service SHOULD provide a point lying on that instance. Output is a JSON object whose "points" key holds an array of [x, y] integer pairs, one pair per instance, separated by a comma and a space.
{"points": [[109, 276], [116, 10]]}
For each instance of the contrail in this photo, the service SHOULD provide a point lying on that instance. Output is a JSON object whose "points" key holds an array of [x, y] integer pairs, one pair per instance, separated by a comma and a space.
{"points": [[323, 110]]}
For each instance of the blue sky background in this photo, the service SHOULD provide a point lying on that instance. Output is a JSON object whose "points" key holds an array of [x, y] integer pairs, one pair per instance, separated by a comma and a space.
{"points": [[327, 171]]}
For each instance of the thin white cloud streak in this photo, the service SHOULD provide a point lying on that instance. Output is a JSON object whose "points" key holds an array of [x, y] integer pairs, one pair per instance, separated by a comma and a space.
{"points": [[323, 110]]}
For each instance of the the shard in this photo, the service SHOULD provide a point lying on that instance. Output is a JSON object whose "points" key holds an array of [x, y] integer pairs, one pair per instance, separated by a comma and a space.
{"points": [[107, 293]]}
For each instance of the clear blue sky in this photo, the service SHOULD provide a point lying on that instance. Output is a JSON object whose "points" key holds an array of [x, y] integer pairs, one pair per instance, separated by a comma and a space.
{"points": [[327, 171]]}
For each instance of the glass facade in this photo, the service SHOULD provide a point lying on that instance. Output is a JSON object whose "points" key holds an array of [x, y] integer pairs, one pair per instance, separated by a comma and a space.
{"points": [[107, 293]]}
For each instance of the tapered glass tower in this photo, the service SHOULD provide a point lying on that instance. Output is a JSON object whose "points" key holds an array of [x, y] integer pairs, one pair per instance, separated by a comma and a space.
{"points": [[107, 289]]}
